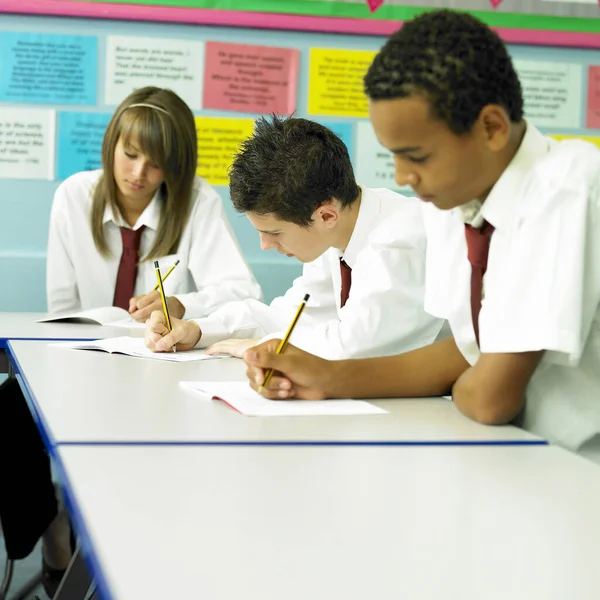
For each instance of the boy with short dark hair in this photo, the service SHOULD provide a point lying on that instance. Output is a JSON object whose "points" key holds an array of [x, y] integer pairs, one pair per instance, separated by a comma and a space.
{"points": [[363, 252]]}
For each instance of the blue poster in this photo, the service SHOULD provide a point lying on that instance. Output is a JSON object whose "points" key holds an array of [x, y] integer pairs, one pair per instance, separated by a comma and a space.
{"points": [[80, 142], [344, 132], [48, 68]]}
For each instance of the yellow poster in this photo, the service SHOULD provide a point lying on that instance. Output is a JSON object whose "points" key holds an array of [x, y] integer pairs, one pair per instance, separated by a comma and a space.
{"points": [[336, 82], [218, 140], [587, 138]]}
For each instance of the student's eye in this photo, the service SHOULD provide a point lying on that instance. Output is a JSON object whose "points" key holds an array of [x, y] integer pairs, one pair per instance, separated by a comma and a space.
{"points": [[130, 155], [418, 159]]}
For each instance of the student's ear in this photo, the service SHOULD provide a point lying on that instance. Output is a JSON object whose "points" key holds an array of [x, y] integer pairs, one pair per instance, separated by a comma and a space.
{"points": [[495, 127], [327, 214]]}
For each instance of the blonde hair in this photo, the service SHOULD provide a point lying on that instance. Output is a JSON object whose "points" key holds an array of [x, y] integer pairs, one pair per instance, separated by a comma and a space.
{"points": [[164, 129]]}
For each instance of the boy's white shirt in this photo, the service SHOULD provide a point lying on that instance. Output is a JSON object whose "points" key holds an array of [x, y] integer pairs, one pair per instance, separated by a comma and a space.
{"points": [[212, 270], [542, 284], [384, 313]]}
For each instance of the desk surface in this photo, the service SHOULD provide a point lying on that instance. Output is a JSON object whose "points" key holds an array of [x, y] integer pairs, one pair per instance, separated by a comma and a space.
{"points": [[85, 396], [419, 523], [23, 326]]}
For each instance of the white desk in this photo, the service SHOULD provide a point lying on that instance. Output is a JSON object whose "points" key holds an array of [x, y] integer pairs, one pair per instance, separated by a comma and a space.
{"points": [[23, 326], [418, 523], [84, 396]]}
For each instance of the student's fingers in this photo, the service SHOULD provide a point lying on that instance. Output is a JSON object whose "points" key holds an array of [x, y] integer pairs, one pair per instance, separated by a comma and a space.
{"points": [[265, 356], [143, 314], [155, 330], [156, 323], [148, 299], [297, 374], [151, 339], [278, 388], [133, 304], [233, 347], [185, 335]]}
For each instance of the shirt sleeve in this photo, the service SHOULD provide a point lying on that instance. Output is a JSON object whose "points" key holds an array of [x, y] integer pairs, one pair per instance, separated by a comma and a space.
{"points": [[61, 284], [219, 270], [254, 319], [384, 313], [548, 291]]}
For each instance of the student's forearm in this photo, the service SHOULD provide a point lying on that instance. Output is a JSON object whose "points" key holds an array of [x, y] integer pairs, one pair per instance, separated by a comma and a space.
{"points": [[427, 371]]}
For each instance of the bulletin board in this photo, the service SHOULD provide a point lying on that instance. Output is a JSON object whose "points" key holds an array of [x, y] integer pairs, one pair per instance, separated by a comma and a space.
{"points": [[58, 90], [574, 23], [61, 79]]}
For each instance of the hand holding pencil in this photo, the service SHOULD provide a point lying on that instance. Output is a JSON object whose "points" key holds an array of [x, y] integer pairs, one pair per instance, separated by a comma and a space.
{"points": [[163, 298], [141, 307], [280, 371]]}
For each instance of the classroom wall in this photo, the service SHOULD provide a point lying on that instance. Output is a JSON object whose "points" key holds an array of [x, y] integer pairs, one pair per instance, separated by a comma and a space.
{"points": [[25, 204]]}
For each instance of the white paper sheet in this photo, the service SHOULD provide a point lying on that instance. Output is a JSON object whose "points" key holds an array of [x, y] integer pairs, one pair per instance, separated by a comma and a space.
{"points": [[241, 397], [132, 346], [109, 316], [135, 62], [27, 143]]}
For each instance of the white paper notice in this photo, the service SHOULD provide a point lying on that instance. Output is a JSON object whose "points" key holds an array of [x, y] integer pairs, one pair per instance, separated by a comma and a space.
{"points": [[552, 92], [374, 163], [135, 62], [27, 143]]}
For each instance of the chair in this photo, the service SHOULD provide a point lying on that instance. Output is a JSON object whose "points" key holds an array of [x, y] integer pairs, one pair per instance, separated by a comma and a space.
{"points": [[25, 590]]}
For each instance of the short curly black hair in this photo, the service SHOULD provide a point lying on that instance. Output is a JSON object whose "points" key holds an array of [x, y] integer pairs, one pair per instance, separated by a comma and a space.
{"points": [[289, 167], [457, 62]]}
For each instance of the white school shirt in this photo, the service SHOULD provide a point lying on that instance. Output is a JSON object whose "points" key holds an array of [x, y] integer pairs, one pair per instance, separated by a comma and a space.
{"points": [[384, 312], [542, 284], [211, 272]]}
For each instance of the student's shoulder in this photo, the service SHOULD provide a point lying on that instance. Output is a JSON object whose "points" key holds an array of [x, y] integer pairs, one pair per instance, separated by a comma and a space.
{"points": [[400, 222], [76, 190], [204, 195], [570, 165]]}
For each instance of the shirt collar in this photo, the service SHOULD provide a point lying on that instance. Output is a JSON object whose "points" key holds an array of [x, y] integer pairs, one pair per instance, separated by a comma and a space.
{"points": [[149, 218], [498, 208], [368, 213]]}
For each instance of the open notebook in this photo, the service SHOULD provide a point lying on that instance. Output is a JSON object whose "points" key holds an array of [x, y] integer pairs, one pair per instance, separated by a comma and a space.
{"points": [[135, 347], [241, 397], [111, 316]]}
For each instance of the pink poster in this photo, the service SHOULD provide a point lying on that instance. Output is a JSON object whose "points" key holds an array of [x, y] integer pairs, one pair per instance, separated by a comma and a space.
{"points": [[256, 79], [593, 99]]}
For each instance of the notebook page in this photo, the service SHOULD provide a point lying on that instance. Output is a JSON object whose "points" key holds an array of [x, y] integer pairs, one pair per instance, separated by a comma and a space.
{"points": [[102, 316], [240, 396], [133, 346]]}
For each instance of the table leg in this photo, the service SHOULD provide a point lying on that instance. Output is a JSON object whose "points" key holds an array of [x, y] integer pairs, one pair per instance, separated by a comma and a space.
{"points": [[76, 582]]}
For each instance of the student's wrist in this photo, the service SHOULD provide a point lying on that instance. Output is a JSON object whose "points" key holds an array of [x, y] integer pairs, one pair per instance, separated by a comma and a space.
{"points": [[335, 374], [195, 332], [176, 308]]}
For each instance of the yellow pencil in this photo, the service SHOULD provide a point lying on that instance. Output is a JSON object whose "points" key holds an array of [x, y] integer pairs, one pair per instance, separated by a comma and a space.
{"points": [[166, 275], [284, 342], [161, 291]]}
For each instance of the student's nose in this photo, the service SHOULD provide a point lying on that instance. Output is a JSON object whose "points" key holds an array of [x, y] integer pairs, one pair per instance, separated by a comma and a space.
{"points": [[265, 243], [404, 174], [139, 169]]}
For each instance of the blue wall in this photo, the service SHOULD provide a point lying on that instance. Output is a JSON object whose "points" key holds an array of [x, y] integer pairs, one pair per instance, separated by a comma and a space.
{"points": [[25, 204]]}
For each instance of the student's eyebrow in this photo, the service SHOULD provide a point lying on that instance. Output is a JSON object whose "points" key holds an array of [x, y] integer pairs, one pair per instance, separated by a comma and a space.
{"points": [[406, 149], [270, 232]]}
